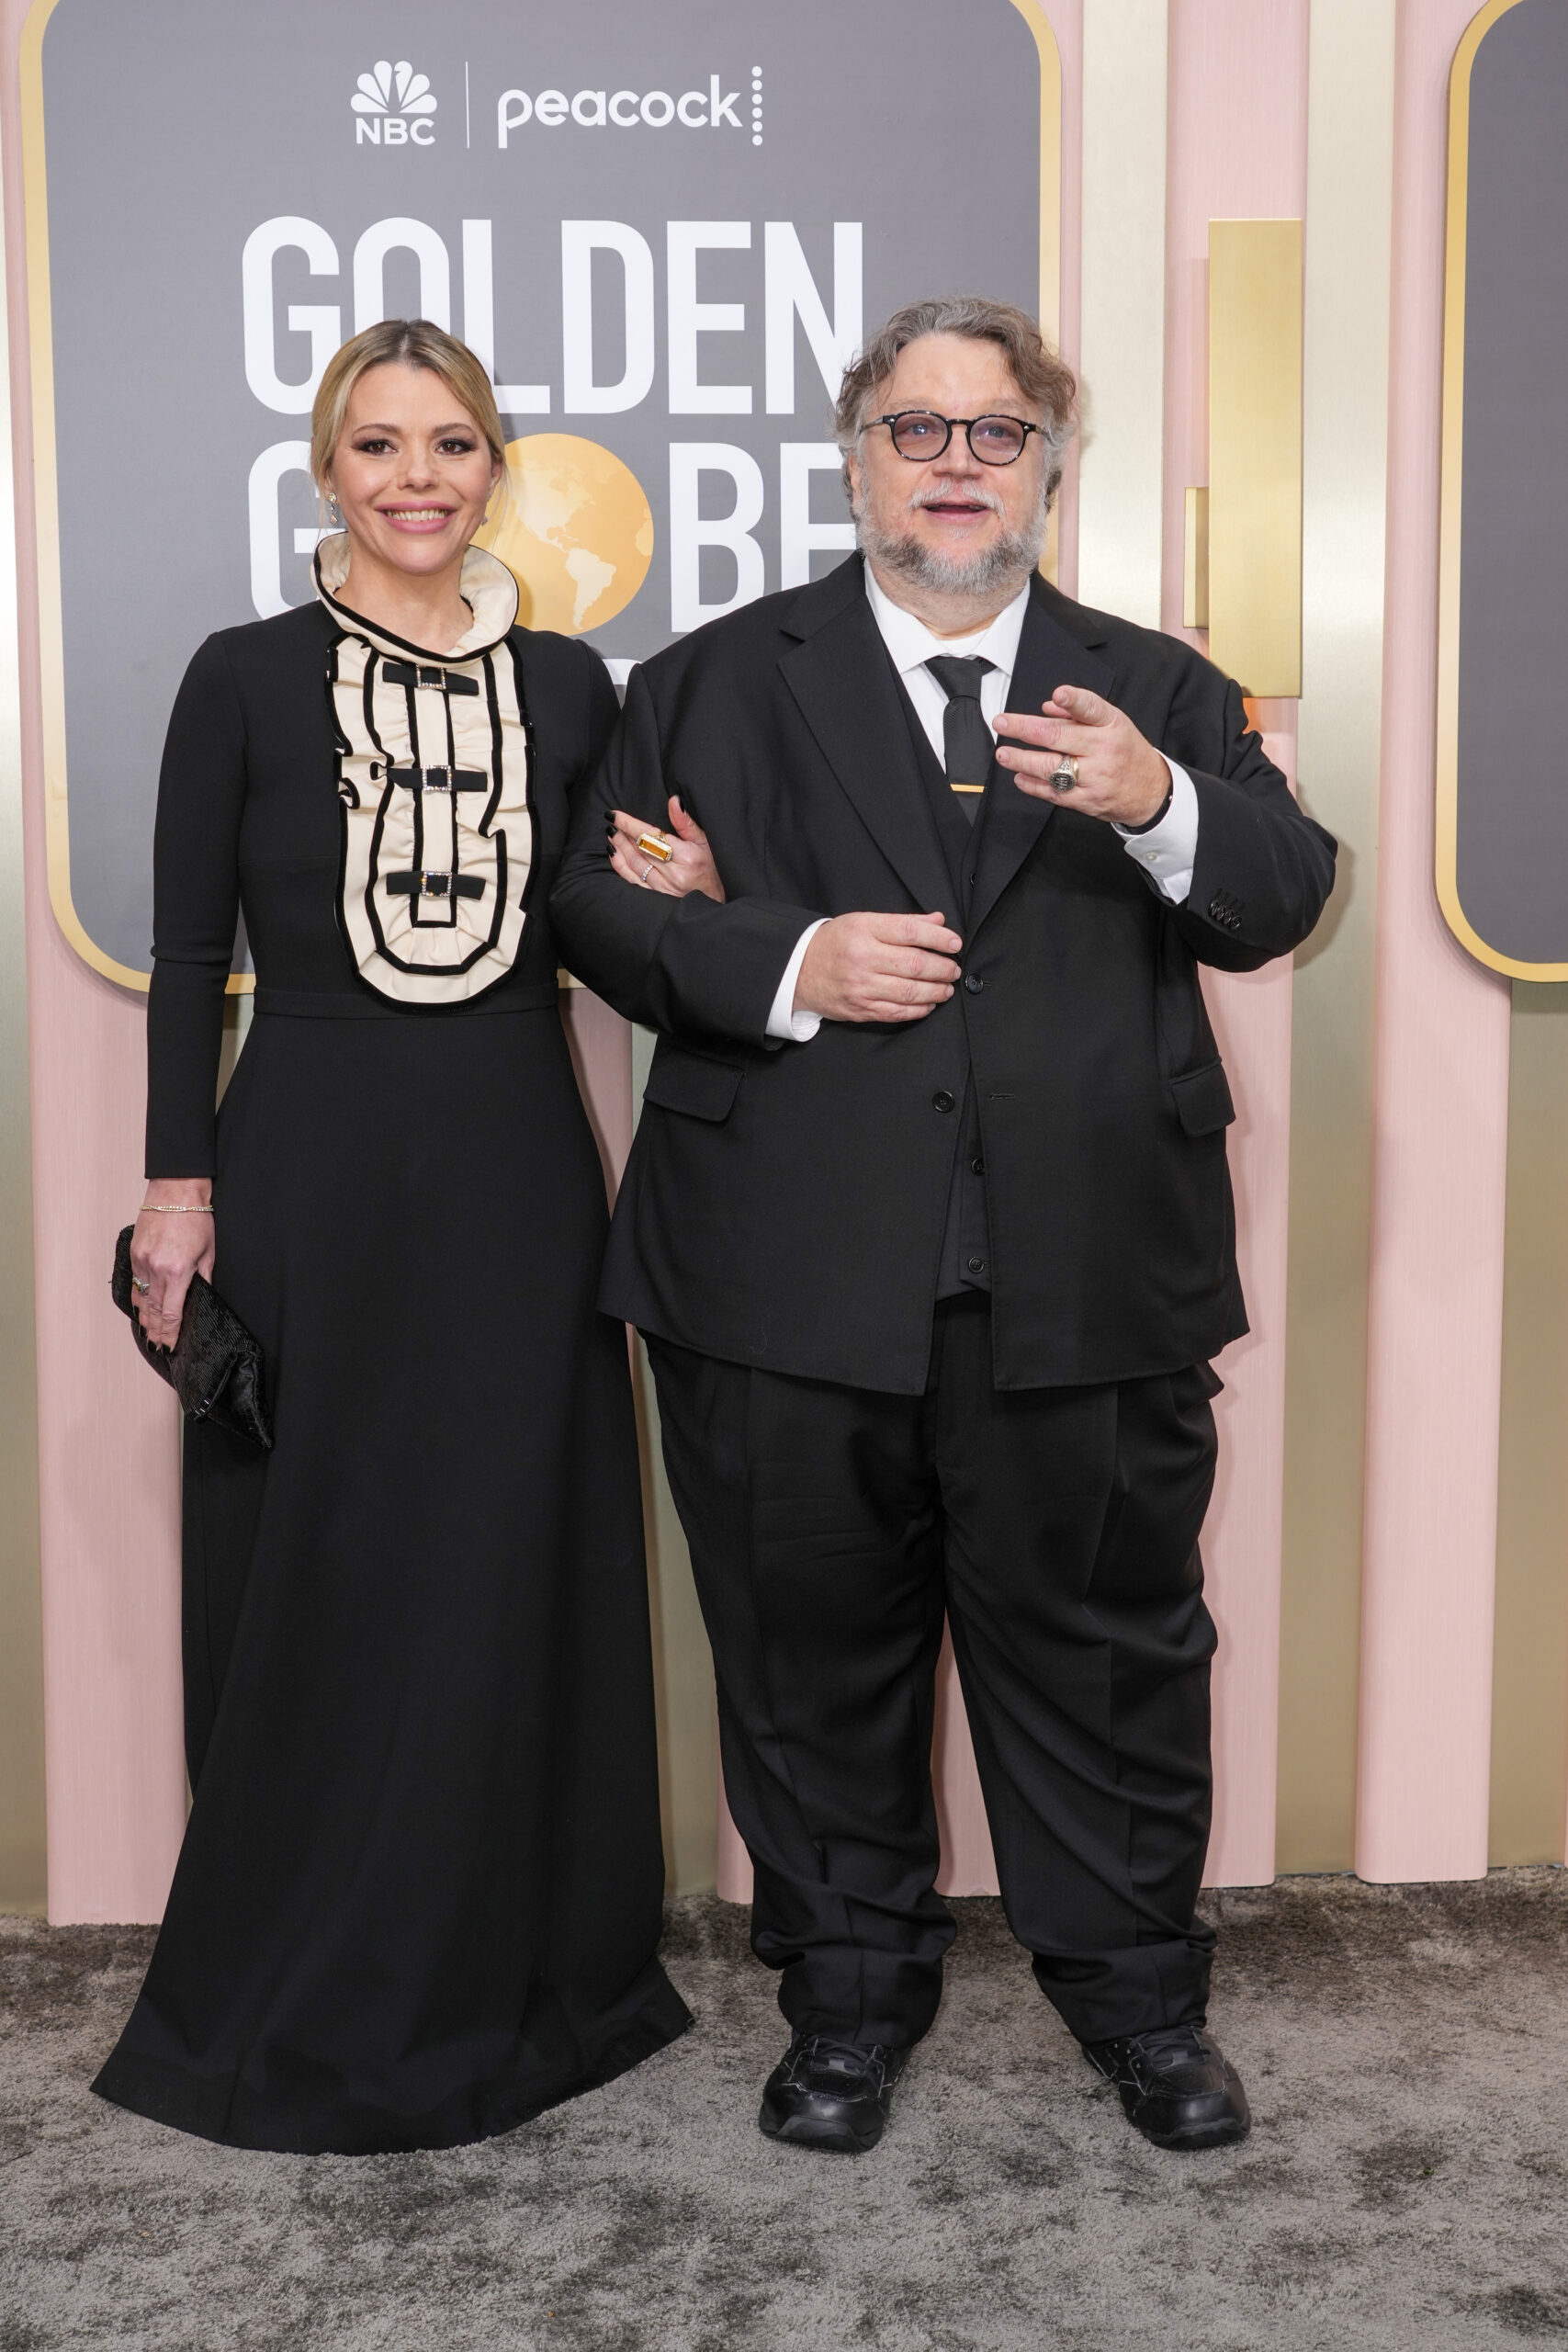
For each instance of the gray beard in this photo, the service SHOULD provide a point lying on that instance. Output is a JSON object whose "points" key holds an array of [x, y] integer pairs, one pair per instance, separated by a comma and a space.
{"points": [[1006, 563]]}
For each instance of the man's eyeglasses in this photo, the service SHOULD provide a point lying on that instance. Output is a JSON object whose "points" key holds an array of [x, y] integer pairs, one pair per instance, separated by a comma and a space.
{"points": [[920, 436]]}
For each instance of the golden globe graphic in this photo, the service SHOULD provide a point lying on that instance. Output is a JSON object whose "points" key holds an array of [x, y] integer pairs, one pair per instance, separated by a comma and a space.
{"points": [[576, 531]]}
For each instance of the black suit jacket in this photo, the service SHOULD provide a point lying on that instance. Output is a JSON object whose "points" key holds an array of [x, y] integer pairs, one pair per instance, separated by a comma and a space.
{"points": [[783, 1206]]}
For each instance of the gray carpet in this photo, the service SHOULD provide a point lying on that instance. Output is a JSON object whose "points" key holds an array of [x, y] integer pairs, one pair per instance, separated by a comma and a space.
{"points": [[1405, 2186]]}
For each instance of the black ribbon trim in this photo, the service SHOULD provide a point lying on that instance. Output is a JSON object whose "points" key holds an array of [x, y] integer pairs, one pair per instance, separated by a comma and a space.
{"points": [[420, 673], [415, 779], [434, 886]]}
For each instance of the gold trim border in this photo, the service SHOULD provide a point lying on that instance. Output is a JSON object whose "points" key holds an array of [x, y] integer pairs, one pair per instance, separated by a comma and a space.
{"points": [[1044, 34], [1040, 25], [1450, 512], [40, 336]]}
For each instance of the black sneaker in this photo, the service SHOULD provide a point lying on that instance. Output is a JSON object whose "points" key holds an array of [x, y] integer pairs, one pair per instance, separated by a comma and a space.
{"points": [[828, 2094], [1177, 2086]]}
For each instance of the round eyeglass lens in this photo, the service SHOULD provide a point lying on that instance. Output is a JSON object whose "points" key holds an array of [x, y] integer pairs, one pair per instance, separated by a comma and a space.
{"points": [[917, 434], [996, 440]]}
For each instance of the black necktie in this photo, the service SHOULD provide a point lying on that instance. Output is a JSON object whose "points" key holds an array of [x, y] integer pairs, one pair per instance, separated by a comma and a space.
{"points": [[967, 741]]}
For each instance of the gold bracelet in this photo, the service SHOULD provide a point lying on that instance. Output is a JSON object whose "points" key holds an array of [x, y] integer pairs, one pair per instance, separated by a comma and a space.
{"points": [[180, 1208]]}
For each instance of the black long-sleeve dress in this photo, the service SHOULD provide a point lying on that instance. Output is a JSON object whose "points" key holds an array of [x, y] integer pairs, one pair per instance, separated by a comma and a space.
{"points": [[419, 1897]]}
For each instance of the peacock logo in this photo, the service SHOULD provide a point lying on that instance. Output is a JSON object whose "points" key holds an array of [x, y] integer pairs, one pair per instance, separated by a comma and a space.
{"points": [[394, 106]]}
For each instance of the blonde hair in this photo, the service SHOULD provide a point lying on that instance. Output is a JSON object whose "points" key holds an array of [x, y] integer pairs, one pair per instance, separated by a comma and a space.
{"points": [[404, 343]]}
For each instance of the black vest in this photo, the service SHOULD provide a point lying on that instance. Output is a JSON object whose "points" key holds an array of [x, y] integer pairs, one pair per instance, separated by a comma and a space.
{"points": [[966, 1261]]}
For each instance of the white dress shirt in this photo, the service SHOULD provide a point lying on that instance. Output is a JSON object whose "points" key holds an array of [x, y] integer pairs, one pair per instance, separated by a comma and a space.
{"points": [[1167, 852]]}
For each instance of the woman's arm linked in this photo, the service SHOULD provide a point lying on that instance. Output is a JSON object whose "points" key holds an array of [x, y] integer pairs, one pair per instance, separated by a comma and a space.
{"points": [[646, 856]]}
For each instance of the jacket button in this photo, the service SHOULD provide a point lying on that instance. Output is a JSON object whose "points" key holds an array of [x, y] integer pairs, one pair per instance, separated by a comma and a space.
{"points": [[974, 983], [942, 1099], [978, 1167], [976, 1265]]}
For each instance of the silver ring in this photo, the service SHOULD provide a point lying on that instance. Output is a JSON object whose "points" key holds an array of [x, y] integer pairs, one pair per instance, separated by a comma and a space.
{"points": [[1065, 774], [646, 871], [144, 1288]]}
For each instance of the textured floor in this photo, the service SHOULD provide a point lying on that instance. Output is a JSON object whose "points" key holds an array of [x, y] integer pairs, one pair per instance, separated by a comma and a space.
{"points": [[1407, 2184]]}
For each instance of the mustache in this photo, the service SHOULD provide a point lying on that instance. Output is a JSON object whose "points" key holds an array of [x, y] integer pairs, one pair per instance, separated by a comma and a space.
{"points": [[1009, 560], [944, 488]]}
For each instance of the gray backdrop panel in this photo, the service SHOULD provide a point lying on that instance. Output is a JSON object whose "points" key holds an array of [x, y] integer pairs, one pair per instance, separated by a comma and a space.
{"points": [[1513, 740], [175, 127]]}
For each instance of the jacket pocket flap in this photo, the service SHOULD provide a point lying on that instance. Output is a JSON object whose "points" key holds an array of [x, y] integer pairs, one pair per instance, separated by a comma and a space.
{"points": [[1203, 1099], [701, 1087]]}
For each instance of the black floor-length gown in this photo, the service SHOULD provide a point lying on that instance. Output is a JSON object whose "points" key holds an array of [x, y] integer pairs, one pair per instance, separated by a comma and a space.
{"points": [[419, 1897]]}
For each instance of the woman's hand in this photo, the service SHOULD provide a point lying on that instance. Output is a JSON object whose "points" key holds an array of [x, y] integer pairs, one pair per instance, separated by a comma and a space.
{"points": [[167, 1250], [688, 868]]}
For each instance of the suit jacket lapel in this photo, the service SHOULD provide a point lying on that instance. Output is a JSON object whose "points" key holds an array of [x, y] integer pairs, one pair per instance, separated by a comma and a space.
{"points": [[845, 686], [1048, 656]]}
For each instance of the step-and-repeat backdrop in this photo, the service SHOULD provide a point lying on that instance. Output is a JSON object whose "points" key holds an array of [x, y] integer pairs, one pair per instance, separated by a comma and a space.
{"points": [[664, 230]]}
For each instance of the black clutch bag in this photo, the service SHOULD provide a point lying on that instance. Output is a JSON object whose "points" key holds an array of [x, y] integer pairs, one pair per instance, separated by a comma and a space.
{"points": [[214, 1367]]}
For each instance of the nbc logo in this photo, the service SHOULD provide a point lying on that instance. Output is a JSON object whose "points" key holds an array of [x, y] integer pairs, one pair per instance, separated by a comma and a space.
{"points": [[394, 106]]}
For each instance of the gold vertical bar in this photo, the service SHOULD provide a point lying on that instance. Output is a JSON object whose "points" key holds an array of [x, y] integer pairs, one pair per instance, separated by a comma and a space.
{"points": [[1195, 563], [1255, 453], [1050, 56], [1350, 202], [1529, 1692]]}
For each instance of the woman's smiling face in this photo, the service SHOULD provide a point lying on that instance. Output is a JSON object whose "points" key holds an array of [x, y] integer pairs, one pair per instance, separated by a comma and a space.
{"points": [[411, 471]]}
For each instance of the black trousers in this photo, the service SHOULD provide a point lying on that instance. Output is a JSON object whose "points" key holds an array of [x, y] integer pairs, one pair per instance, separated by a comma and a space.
{"points": [[829, 1529]]}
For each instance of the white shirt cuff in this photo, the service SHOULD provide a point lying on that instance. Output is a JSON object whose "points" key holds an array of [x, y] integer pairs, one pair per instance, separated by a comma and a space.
{"points": [[790, 1027], [1168, 851]]}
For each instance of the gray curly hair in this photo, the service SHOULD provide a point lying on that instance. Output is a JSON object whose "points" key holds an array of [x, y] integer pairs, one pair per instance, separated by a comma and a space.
{"points": [[1043, 379]]}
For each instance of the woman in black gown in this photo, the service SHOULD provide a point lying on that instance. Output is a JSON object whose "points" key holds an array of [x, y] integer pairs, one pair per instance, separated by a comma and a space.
{"points": [[419, 1897]]}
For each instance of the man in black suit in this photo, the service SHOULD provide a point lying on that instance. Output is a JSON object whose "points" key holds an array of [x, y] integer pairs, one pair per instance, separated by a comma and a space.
{"points": [[928, 1223]]}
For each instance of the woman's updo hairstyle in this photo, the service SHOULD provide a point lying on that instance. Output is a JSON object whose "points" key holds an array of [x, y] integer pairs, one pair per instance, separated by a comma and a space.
{"points": [[404, 343]]}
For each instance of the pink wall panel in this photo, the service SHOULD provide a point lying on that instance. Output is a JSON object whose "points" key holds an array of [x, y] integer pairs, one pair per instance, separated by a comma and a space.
{"points": [[1238, 134], [1435, 1345], [107, 1435], [968, 1864], [732, 1864], [601, 1047], [108, 1459]]}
